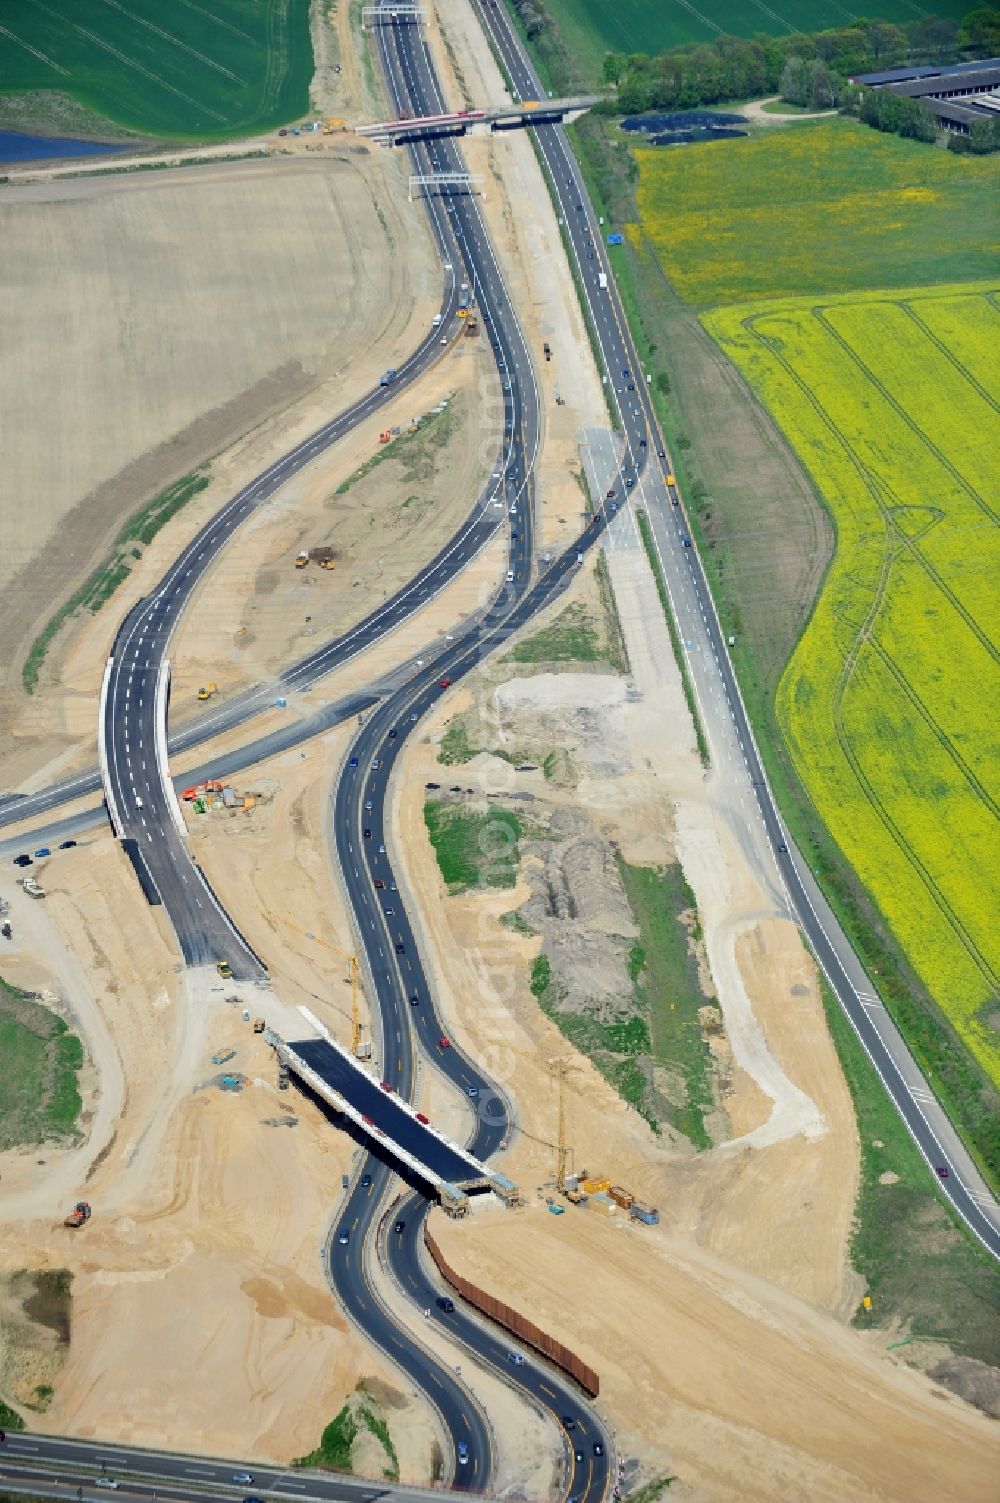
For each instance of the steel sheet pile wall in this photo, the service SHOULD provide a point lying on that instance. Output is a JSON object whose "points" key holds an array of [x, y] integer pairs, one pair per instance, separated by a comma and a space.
{"points": [[512, 1320]]}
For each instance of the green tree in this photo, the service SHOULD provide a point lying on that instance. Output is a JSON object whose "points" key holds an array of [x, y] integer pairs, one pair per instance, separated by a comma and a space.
{"points": [[981, 30], [795, 81]]}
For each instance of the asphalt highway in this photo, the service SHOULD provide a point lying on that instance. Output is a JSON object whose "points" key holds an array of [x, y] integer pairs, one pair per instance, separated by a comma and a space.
{"points": [[406, 1010], [30, 1461], [712, 671]]}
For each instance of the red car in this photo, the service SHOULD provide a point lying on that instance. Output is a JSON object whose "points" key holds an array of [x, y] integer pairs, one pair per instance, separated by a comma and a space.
{"points": [[421, 1118], [386, 1086], [444, 1043], [379, 882], [444, 683]]}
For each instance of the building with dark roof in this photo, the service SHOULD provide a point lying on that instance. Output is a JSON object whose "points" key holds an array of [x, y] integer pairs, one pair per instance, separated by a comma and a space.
{"points": [[958, 96]]}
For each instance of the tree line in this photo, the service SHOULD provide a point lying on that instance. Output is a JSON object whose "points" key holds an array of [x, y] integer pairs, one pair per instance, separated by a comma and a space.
{"points": [[809, 70]]}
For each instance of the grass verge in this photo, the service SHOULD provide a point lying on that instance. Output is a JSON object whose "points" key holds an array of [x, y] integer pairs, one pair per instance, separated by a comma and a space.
{"points": [[472, 849], [414, 449], [334, 1449], [10, 1420], [138, 531], [39, 1095], [646, 533], [924, 1271], [664, 970]]}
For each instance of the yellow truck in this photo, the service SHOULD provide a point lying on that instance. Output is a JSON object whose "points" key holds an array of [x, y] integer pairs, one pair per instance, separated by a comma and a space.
{"points": [[207, 691]]}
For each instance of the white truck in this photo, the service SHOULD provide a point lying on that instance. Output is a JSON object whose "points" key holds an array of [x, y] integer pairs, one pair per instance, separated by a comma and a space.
{"points": [[602, 280]]}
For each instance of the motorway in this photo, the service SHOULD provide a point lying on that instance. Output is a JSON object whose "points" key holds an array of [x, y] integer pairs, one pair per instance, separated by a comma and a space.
{"points": [[712, 671], [129, 737], [59, 1466], [406, 1011]]}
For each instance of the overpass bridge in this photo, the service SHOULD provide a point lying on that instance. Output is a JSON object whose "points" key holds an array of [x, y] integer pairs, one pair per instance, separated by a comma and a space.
{"points": [[503, 117], [392, 1124]]}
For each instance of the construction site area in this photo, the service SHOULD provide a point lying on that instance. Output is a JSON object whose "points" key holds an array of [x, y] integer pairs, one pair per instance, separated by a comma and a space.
{"points": [[668, 1223]]}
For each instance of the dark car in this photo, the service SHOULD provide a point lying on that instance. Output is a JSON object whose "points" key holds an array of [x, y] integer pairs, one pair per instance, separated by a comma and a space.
{"points": [[366, 1180], [22, 860], [686, 541], [368, 834], [942, 1170], [578, 1454], [379, 882], [401, 948], [353, 762], [399, 1227], [414, 1000], [569, 1423], [446, 1304], [432, 785], [782, 847], [598, 1448], [67, 845], [392, 734]]}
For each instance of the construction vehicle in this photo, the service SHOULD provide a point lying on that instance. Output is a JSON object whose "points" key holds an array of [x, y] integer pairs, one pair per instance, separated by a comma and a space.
{"points": [[6, 931], [547, 350], [207, 691], [471, 327], [224, 969], [31, 887], [388, 377], [301, 559], [79, 1215], [223, 1056], [258, 1025], [385, 438], [462, 313], [331, 126]]}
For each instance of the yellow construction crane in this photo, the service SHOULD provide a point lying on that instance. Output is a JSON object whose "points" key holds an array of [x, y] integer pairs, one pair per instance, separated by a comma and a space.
{"points": [[353, 978], [559, 1068]]}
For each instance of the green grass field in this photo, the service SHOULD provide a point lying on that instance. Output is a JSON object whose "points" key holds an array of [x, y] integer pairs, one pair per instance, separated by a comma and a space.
{"points": [[205, 70], [590, 28], [889, 702], [39, 1099], [827, 207], [474, 850]]}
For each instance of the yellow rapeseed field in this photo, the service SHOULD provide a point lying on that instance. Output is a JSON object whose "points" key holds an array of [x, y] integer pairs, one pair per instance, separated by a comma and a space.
{"points": [[889, 703]]}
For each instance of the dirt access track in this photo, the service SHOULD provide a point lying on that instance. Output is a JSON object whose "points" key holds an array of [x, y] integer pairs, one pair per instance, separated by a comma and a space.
{"points": [[150, 321]]}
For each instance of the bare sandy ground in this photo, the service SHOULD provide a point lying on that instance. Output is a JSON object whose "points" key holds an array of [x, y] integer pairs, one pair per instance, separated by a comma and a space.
{"points": [[716, 1377], [208, 300], [200, 1310], [258, 612]]}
